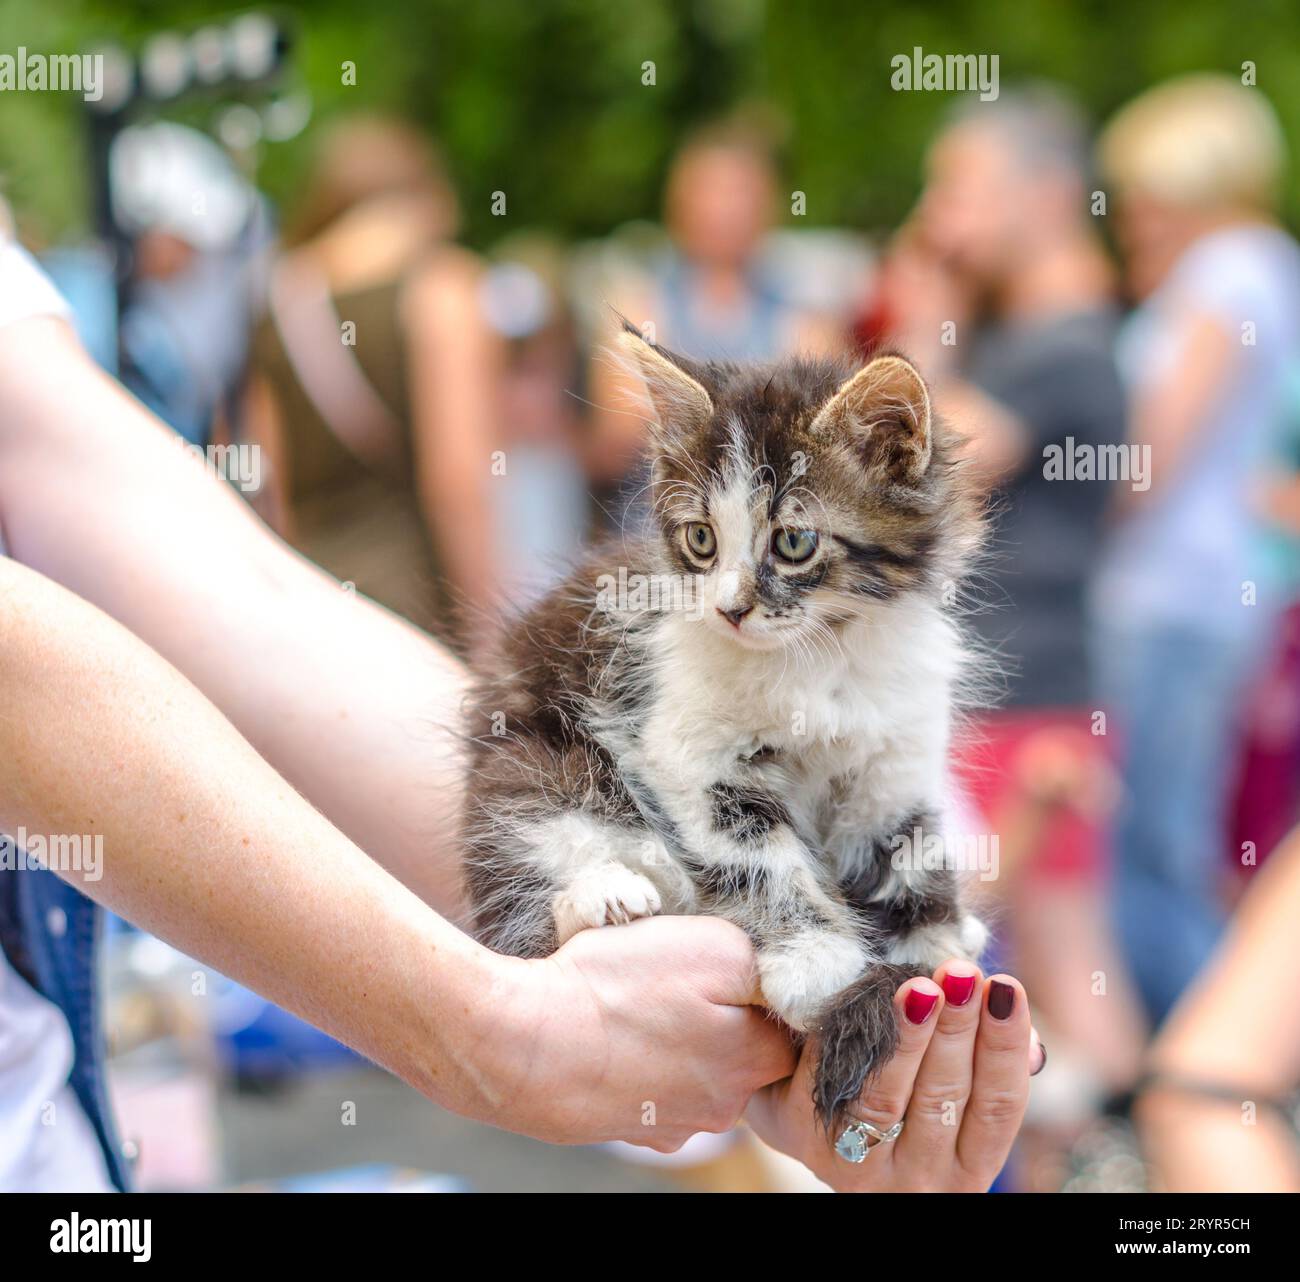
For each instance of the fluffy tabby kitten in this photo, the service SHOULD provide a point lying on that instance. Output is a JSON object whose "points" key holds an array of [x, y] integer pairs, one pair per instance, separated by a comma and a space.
{"points": [[752, 719]]}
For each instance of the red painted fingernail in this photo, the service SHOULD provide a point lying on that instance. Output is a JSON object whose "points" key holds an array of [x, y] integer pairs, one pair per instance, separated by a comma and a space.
{"points": [[958, 989], [1002, 999], [918, 1005]]}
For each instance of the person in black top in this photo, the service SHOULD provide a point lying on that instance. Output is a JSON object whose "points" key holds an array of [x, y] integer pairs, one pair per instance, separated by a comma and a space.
{"points": [[1000, 288]]}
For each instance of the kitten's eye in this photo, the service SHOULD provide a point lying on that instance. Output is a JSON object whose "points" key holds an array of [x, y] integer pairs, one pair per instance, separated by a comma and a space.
{"points": [[700, 539], [794, 545]]}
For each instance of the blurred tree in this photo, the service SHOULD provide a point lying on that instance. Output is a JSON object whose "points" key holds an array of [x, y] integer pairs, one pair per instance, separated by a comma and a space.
{"points": [[544, 100]]}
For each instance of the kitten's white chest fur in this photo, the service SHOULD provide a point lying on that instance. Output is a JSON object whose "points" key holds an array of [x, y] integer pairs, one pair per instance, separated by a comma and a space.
{"points": [[860, 728]]}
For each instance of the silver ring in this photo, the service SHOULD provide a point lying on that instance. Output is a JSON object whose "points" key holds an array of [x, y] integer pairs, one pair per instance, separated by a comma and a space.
{"points": [[852, 1144]]}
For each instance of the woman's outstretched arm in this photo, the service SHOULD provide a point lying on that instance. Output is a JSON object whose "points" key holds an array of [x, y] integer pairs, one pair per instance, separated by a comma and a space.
{"points": [[356, 708], [206, 846]]}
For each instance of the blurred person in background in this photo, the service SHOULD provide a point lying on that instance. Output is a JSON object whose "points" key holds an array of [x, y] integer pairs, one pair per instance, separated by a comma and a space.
{"points": [[1000, 288], [1188, 602], [707, 293], [199, 236], [540, 501], [375, 380]]}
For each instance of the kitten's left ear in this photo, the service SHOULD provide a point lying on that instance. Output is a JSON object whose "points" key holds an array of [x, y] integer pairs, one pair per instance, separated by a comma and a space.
{"points": [[884, 406]]}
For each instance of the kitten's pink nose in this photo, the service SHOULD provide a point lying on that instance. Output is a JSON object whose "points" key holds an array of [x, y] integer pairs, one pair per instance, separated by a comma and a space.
{"points": [[734, 616]]}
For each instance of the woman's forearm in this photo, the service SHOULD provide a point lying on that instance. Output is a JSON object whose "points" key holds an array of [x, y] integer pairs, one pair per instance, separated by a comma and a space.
{"points": [[1237, 1024], [206, 846], [1168, 418], [1237, 1032], [358, 710]]}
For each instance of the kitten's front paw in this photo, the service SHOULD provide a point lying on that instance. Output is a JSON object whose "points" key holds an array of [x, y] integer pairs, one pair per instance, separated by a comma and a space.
{"points": [[609, 896], [974, 937], [800, 975], [930, 946]]}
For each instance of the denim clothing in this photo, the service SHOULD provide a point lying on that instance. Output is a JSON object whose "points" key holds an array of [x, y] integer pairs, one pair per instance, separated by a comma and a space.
{"points": [[50, 933], [1176, 696]]}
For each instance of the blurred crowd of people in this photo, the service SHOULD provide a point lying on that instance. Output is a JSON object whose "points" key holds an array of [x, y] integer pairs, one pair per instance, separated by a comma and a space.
{"points": [[1112, 321]]}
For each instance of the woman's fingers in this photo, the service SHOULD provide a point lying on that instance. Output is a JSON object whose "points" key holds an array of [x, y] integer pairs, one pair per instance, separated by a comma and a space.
{"points": [[943, 1080], [1037, 1053], [959, 1079], [1000, 1089], [885, 1100]]}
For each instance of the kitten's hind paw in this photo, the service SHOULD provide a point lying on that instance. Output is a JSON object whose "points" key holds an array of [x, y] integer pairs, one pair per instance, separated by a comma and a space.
{"points": [[858, 1035], [608, 896]]}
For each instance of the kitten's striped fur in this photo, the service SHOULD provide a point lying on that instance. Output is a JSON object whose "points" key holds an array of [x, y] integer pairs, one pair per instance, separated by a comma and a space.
{"points": [[632, 760]]}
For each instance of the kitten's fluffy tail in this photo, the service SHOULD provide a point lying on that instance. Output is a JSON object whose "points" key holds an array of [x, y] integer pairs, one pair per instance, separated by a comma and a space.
{"points": [[858, 1034]]}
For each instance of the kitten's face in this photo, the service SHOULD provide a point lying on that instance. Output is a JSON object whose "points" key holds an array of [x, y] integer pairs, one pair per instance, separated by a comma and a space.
{"points": [[799, 495], [767, 562]]}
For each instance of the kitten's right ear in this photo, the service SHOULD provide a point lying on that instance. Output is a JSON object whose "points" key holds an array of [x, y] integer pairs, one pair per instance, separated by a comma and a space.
{"points": [[681, 405]]}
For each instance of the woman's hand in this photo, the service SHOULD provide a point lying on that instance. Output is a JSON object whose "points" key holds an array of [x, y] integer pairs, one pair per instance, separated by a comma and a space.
{"points": [[642, 1033], [960, 1082]]}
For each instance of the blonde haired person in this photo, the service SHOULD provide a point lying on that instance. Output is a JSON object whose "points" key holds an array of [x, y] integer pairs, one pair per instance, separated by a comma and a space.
{"points": [[1186, 601], [1186, 158]]}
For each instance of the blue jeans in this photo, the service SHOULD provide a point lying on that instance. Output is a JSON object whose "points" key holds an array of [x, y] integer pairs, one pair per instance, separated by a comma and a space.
{"points": [[1175, 694]]}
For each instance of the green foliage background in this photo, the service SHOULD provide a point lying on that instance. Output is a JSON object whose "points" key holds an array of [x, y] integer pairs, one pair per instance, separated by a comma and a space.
{"points": [[544, 100]]}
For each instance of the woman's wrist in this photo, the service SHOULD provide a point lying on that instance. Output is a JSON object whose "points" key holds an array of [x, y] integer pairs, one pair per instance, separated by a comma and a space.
{"points": [[452, 1025], [518, 1047], [507, 1033]]}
